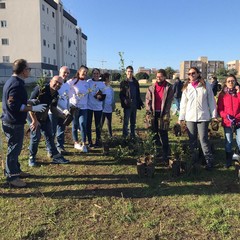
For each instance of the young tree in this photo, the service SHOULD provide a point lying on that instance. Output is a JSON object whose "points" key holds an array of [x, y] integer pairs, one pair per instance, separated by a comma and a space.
{"points": [[142, 75], [170, 71]]}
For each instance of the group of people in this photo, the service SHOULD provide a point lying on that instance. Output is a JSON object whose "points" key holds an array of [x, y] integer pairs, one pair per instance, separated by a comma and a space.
{"points": [[54, 105]]}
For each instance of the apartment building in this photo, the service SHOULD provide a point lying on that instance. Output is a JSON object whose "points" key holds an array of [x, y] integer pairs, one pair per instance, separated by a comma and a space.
{"points": [[235, 64], [207, 67], [41, 32]]}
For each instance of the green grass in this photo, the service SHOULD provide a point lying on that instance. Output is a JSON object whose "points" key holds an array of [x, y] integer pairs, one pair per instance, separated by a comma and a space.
{"points": [[97, 197]]}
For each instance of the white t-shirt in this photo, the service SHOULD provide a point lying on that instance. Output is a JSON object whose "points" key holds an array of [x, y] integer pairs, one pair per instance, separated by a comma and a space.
{"points": [[108, 103], [63, 98], [94, 86], [79, 93]]}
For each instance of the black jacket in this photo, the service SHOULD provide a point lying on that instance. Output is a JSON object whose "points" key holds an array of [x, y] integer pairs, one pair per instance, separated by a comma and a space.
{"points": [[126, 95]]}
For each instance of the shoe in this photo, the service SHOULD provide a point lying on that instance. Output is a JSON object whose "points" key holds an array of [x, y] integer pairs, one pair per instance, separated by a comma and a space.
{"points": [[84, 149], [59, 159], [77, 146], [24, 174], [32, 162], [209, 167], [235, 157], [61, 150], [90, 145], [17, 182]]}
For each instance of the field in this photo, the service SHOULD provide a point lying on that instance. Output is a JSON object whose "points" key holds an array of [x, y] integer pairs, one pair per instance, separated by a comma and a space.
{"points": [[100, 197]]}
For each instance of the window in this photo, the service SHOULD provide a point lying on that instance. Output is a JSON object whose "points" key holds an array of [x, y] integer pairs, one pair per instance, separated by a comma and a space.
{"points": [[54, 46], [6, 59], [43, 7], [44, 42], [53, 14], [44, 26], [5, 41], [54, 62], [47, 10], [3, 5], [3, 23], [49, 60], [44, 59]]}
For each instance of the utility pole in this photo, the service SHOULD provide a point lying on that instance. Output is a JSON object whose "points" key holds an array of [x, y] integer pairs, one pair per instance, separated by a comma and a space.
{"points": [[103, 61]]}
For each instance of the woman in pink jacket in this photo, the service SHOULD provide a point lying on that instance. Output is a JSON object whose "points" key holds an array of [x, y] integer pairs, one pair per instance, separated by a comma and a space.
{"points": [[229, 110]]}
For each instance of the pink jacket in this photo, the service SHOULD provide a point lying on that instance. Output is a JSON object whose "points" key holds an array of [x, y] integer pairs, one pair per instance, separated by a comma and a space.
{"points": [[229, 105]]}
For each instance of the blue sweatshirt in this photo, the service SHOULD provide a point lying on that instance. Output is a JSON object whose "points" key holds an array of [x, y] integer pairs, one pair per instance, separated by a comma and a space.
{"points": [[14, 96]]}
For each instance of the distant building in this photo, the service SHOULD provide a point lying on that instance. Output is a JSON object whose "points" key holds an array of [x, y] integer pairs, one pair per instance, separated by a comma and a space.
{"points": [[235, 64], [207, 68], [147, 70], [43, 33]]}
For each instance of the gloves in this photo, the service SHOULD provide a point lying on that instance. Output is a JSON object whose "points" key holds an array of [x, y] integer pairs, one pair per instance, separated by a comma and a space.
{"points": [[66, 112], [39, 108]]}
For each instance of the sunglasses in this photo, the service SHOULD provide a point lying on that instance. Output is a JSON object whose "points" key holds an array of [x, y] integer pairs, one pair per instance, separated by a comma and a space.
{"points": [[231, 81], [191, 73]]}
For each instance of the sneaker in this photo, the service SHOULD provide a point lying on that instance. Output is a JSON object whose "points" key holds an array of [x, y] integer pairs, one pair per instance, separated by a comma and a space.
{"points": [[77, 146], [32, 162], [90, 144], [61, 150], [24, 174], [235, 157], [59, 159], [84, 149], [17, 182]]}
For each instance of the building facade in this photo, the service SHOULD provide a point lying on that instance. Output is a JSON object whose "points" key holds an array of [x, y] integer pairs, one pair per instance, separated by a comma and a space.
{"points": [[41, 32], [207, 68], [235, 64]]}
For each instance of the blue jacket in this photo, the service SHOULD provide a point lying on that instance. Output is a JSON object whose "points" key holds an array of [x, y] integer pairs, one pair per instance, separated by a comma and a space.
{"points": [[14, 96]]}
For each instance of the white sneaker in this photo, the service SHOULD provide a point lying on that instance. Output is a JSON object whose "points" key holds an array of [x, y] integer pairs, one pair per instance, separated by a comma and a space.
{"points": [[235, 157], [84, 149], [77, 146]]}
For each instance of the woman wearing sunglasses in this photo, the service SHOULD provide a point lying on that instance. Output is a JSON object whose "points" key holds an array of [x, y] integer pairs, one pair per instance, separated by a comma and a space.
{"points": [[229, 110], [197, 108]]}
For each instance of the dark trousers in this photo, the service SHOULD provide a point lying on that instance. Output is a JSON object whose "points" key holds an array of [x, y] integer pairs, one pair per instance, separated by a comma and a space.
{"points": [[108, 116], [129, 114], [97, 118]]}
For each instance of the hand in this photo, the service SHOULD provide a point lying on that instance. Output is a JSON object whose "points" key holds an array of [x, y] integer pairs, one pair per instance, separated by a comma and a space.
{"points": [[39, 108], [66, 112], [34, 125]]}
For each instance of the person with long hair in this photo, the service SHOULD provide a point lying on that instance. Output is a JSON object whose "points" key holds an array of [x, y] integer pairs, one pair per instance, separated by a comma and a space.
{"points": [[95, 106], [197, 108], [229, 110], [78, 97]]}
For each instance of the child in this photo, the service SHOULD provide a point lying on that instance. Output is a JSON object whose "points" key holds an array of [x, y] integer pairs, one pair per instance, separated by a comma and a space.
{"points": [[108, 104]]}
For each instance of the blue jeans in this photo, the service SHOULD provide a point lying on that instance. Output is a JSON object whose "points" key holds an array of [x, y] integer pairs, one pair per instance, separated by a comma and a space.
{"points": [[80, 122], [229, 138], [35, 136], [57, 129], [129, 114], [177, 102], [201, 128], [108, 116], [14, 135]]}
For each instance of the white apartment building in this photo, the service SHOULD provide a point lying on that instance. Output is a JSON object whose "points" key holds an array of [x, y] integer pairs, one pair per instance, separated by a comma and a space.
{"points": [[41, 32]]}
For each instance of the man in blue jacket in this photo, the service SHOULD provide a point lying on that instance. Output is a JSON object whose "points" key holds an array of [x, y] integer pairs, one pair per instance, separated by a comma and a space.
{"points": [[14, 113]]}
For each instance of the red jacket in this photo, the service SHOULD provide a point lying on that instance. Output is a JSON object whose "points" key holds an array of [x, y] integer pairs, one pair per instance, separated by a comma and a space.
{"points": [[229, 104]]}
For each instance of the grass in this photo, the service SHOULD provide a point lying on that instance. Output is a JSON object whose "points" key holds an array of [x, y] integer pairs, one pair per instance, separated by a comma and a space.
{"points": [[97, 197]]}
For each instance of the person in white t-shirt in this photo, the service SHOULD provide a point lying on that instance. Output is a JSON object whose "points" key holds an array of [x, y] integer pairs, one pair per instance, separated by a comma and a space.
{"points": [[95, 106], [108, 103], [79, 89]]}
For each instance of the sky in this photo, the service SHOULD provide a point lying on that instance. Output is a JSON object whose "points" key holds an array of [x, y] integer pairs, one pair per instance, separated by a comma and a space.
{"points": [[157, 33]]}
